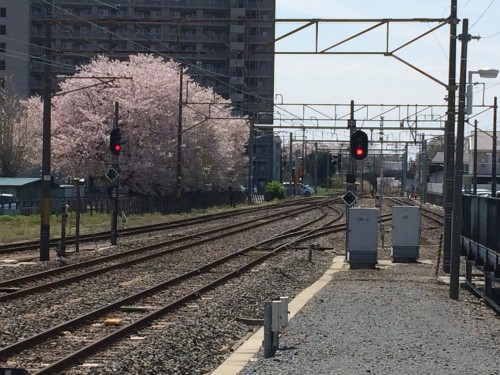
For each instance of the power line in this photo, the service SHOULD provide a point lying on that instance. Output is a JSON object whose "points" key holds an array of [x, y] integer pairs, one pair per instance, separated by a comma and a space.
{"points": [[182, 60], [482, 14], [491, 36]]}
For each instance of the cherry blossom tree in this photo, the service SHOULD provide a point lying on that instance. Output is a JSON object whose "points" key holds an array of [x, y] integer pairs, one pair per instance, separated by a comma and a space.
{"points": [[19, 134], [146, 89]]}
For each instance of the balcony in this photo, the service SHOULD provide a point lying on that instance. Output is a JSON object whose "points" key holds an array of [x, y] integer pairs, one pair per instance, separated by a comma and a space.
{"points": [[237, 46], [237, 29], [237, 12]]}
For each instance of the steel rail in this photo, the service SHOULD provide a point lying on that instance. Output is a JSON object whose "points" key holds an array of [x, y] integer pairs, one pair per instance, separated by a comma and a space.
{"points": [[94, 347], [32, 245], [438, 218], [38, 338], [215, 234]]}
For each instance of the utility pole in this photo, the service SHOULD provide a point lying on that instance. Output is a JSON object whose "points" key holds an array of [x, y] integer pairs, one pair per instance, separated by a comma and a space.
{"points": [[179, 138], [449, 140], [405, 169], [494, 152], [316, 166], [423, 187], [303, 155], [381, 192], [250, 160], [474, 175], [291, 161], [465, 37], [328, 161], [46, 177]]}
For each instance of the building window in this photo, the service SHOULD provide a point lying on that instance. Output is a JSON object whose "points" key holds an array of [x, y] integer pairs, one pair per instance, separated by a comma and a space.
{"points": [[3, 12], [3, 30], [2, 47], [2, 64]]}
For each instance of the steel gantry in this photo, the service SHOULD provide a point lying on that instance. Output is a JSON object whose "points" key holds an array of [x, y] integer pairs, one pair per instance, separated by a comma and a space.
{"points": [[323, 44]]}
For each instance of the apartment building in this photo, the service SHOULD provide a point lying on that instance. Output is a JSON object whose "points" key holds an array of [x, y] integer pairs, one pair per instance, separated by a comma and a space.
{"points": [[225, 44], [14, 44]]}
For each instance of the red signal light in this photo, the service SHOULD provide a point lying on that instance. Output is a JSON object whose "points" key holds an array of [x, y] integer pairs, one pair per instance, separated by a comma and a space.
{"points": [[115, 141], [359, 145]]}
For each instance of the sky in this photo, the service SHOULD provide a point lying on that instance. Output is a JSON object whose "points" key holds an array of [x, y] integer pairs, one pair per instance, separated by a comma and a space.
{"points": [[376, 79]]}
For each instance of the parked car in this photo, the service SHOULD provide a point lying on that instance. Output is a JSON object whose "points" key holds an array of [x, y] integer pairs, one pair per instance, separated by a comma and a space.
{"points": [[310, 188], [301, 189]]}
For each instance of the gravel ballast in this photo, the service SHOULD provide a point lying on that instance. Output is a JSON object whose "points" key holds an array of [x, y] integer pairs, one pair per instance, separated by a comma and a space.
{"points": [[396, 319]]}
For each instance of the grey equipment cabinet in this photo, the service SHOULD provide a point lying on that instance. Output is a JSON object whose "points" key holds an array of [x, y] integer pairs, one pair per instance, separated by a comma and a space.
{"points": [[362, 239], [405, 236]]}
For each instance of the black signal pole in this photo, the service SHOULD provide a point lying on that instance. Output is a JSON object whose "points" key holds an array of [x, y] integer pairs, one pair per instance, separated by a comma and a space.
{"points": [[46, 178], [179, 137], [352, 160], [115, 164]]}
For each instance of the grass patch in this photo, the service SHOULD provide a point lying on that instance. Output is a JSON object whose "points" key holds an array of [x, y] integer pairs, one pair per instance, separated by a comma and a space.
{"points": [[16, 228]]}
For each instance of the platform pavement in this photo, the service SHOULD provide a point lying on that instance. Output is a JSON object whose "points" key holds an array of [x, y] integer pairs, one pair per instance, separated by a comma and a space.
{"points": [[437, 337], [240, 357]]}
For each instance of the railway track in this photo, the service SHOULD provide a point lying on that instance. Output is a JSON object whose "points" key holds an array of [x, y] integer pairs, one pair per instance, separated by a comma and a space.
{"points": [[128, 232], [63, 276], [63, 344], [177, 291], [434, 216]]}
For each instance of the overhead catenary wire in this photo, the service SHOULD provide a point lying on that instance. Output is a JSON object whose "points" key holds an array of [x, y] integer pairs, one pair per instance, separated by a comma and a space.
{"points": [[482, 14], [491, 36], [165, 55]]}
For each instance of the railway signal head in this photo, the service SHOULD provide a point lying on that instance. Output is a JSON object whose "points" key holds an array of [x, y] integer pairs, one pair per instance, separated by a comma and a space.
{"points": [[359, 145], [115, 141]]}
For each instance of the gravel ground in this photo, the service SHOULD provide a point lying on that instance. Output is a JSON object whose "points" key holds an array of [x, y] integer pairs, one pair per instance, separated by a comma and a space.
{"points": [[396, 319], [204, 333], [361, 324]]}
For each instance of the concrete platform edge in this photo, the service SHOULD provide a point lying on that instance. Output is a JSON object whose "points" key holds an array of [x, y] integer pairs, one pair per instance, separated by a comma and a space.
{"points": [[241, 356]]}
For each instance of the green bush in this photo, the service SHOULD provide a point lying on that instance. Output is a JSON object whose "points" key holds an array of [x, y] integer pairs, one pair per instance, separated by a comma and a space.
{"points": [[8, 218], [336, 183], [273, 190]]}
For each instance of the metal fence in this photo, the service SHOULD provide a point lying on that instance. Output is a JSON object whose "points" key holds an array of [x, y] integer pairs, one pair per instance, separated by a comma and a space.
{"points": [[481, 216], [131, 205]]}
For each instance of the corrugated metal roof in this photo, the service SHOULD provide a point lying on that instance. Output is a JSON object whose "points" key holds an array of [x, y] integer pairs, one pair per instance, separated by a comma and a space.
{"points": [[17, 181]]}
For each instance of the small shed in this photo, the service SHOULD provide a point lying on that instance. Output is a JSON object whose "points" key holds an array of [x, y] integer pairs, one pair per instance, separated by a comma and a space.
{"points": [[27, 191]]}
